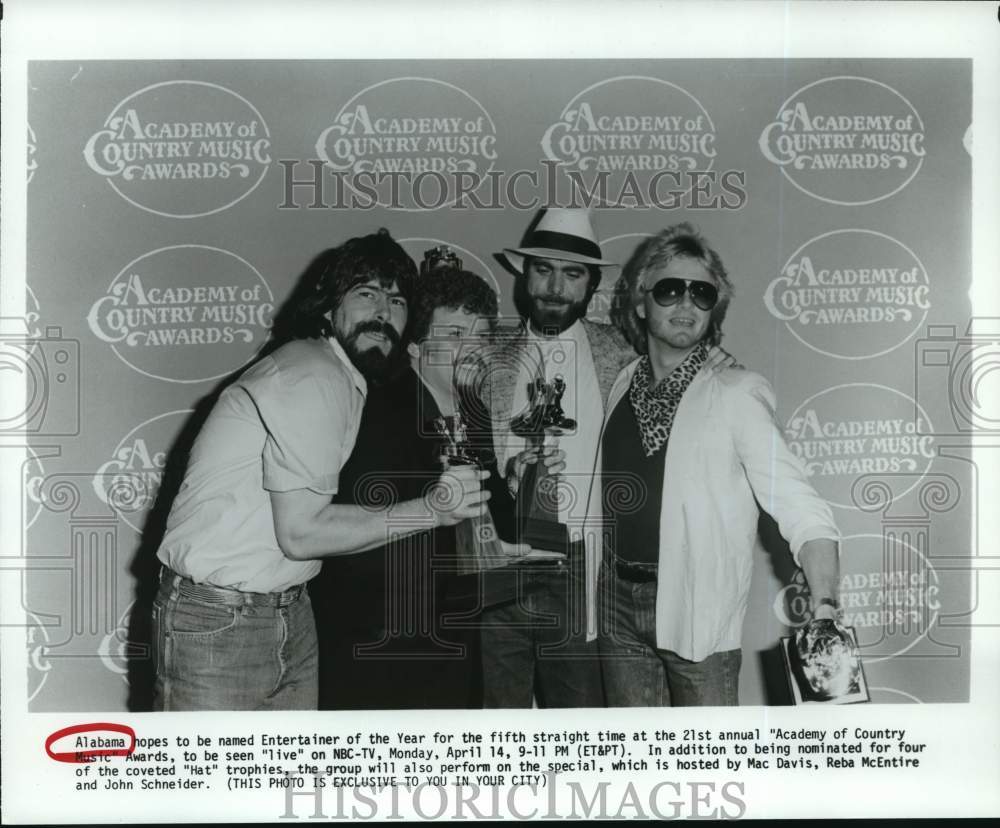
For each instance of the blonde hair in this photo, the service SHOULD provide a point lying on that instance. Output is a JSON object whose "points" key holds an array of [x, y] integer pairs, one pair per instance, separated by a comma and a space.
{"points": [[655, 253]]}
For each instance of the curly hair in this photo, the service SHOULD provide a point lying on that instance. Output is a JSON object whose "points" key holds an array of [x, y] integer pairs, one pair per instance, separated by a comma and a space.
{"points": [[330, 276], [655, 253], [448, 288]]}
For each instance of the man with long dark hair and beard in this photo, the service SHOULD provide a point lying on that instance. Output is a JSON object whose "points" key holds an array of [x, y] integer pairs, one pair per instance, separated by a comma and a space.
{"points": [[233, 626]]}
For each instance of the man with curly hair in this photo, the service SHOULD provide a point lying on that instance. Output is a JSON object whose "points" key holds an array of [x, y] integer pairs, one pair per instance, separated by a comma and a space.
{"points": [[382, 617]]}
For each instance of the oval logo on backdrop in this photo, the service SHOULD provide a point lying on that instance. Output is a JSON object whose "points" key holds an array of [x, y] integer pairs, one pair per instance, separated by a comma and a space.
{"points": [[187, 313], [410, 143], [631, 128], [846, 140], [129, 481], [851, 294], [182, 148], [855, 429], [616, 249]]}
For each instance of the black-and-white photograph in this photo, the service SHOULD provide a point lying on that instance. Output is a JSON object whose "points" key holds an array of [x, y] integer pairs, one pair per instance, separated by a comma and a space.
{"points": [[492, 394]]}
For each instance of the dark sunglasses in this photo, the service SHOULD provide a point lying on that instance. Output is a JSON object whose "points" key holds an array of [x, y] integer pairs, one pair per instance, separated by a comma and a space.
{"points": [[670, 291]]}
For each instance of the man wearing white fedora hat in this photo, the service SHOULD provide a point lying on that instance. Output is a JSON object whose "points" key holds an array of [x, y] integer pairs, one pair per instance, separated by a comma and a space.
{"points": [[543, 646]]}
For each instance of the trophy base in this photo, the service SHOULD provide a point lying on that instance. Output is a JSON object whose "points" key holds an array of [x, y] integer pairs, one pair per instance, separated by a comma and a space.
{"points": [[545, 534]]}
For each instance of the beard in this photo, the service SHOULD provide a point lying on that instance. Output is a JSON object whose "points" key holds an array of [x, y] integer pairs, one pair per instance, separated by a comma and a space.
{"points": [[376, 367], [549, 317]]}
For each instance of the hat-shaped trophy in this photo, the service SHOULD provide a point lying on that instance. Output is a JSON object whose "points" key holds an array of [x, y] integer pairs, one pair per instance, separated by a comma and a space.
{"points": [[477, 543], [441, 257], [538, 493]]}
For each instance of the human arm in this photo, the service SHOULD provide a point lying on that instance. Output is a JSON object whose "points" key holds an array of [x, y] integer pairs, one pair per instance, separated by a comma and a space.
{"points": [[781, 485], [308, 526], [821, 565], [309, 407]]}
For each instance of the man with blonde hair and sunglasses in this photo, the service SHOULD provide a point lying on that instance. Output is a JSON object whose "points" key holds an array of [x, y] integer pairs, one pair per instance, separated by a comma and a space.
{"points": [[703, 448]]}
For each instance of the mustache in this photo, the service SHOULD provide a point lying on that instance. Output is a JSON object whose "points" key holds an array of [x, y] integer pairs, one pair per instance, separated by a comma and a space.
{"points": [[374, 326], [560, 300]]}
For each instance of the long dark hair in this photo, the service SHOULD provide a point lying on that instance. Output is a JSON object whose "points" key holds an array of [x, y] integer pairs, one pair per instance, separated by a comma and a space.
{"points": [[332, 274]]}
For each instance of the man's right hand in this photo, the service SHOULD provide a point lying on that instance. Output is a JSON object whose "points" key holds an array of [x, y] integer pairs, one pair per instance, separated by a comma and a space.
{"points": [[457, 494], [553, 458]]}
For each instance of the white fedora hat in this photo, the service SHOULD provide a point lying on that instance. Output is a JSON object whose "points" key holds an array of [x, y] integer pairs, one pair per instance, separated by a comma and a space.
{"points": [[561, 233]]}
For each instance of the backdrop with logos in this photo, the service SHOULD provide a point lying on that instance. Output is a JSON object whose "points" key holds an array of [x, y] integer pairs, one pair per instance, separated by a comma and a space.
{"points": [[172, 207]]}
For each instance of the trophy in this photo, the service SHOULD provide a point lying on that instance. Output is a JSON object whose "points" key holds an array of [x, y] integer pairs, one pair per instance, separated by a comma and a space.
{"points": [[823, 664], [441, 257], [538, 496], [477, 543]]}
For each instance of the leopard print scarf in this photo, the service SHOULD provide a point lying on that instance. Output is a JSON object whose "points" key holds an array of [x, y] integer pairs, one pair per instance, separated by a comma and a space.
{"points": [[654, 408]]}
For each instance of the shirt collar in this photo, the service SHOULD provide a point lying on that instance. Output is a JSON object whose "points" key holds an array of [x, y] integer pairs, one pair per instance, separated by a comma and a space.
{"points": [[355, 374]]}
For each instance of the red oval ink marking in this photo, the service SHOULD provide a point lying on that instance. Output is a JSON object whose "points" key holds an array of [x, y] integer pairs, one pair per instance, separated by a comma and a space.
{"points": [[88, 754]]}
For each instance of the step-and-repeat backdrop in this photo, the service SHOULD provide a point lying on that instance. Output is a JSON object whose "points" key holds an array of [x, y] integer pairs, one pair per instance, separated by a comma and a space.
{"points": [[173, 205]]}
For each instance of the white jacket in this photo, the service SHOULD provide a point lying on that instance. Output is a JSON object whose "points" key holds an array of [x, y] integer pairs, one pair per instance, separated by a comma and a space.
{"points": [[725, 454]]}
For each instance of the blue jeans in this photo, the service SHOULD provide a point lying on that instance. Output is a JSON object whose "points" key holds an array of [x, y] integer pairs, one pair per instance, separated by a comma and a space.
{"points": [[220, 649], [636, 672], [536, 646]]}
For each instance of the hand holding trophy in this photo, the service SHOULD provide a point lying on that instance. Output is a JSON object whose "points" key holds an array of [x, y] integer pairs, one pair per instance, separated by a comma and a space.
{"points": [[477, 543], [538, 492]]}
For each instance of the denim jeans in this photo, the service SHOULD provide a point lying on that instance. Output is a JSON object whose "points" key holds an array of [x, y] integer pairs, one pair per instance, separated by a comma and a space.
{"points": [[636, 672], [536, 646], [219, 649]]}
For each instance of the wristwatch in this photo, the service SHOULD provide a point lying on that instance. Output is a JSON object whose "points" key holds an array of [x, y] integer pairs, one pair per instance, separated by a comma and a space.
{"points": [[828, 602]]}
